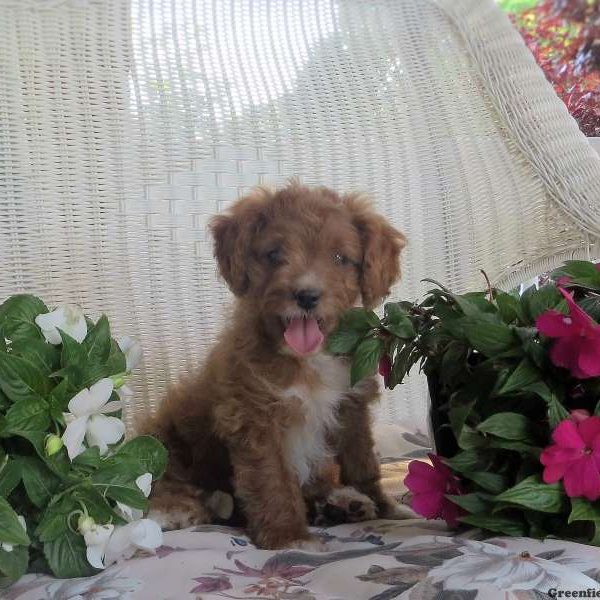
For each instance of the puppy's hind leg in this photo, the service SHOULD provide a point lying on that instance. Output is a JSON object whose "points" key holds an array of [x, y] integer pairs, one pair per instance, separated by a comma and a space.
{"points": [[176, 505]]}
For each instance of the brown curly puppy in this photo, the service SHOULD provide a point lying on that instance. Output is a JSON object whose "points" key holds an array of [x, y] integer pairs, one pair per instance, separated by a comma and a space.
{"points": [[271, 412]]}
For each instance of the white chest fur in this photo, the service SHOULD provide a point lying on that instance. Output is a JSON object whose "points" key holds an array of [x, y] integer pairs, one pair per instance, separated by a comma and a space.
{"points": [[307, 443]]}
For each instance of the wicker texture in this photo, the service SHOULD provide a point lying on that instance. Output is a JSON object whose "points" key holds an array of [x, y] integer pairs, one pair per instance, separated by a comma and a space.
{"points": [[125, 125]]}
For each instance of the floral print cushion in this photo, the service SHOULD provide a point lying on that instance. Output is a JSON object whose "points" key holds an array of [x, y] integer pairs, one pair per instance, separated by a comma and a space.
{"points": [[412, 559]]}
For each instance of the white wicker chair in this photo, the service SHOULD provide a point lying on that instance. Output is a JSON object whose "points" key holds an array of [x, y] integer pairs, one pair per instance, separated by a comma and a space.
{"points": [[125, 124]]}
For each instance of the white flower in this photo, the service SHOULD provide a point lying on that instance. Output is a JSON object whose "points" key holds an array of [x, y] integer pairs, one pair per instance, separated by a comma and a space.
{"points": [[85, 419], [67, 318], [9, 547], [144, 482], [132, 350], [107, 544], [484, 564], [144, 534], [96, 539]]}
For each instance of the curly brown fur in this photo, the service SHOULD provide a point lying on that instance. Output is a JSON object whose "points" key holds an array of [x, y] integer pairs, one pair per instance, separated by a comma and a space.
{"points": [[267, 419]]}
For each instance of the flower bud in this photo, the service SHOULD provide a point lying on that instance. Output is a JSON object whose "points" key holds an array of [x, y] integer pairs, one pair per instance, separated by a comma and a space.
{"points": [[118, 380], [53, 444], [85, 524], [385, 368]]}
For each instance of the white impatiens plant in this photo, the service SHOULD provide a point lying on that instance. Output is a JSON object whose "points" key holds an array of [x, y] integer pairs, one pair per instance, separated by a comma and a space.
{"points": [[73, 491]]}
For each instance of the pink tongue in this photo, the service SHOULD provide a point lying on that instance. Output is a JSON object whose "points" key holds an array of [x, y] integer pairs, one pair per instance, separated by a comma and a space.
{"points": [[303, 336]]}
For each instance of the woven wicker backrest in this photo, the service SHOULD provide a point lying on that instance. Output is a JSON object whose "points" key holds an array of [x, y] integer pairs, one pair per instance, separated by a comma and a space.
{"points": [[125, 124]]}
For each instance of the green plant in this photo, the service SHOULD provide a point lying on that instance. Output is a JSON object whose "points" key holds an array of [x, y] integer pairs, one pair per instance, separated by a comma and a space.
{"points": [[66, 477], [512, 377]]}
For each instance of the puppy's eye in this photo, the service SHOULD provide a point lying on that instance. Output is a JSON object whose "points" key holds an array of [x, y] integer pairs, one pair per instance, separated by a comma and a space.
{"points": [[340, 259], [274, 257]]}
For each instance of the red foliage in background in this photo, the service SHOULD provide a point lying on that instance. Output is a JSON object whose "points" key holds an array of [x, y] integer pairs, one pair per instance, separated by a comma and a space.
{"points": [[564, 36]]}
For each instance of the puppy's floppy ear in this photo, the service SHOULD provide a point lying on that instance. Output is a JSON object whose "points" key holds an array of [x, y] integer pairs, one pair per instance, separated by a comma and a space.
{"points": [[382, 244], [233, 233]]}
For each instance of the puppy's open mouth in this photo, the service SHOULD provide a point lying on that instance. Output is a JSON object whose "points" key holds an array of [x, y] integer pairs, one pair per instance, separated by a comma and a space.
{"points": [[303, 334]]}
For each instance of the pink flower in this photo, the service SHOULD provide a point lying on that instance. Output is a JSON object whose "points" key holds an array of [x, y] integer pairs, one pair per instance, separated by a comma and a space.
{"points": [[385, 368], [577, 346], [579, 414], [429, 485], [575, 458]]}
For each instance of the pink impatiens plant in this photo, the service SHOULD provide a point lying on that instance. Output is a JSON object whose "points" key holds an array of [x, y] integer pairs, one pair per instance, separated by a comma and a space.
{"points": [[429, 485], [577, 345], [574, 457], [514, 383]]}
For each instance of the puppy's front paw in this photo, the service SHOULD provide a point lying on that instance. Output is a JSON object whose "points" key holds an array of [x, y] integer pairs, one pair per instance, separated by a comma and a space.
{"points": [[345, 505], [178, 518]]}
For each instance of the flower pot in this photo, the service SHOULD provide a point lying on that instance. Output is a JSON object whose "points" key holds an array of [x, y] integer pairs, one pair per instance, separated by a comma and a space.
{"points": [[444, 442]]}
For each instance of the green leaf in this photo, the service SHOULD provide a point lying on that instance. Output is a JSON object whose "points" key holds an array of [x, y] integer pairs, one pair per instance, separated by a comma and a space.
{"points": [[130, 495], [95, 503], [97, 343], [28, 415], [45, 357], [394, 310], [10, 477], [591, 305], [458, 414], [472, 503], [468, 460], [556, 411], [116, 361], [4, 402], [397, 321], [405, 358], [450, 319], [40, 483], [532, 346], [73, 353], [491, 482], [17, 318], [498, 524], [58, 463], [525, 449], [507, 425], [54, 521], [365, 359], [360, 320], [52, 526], [343, 341], [584, 510], [58, 399], [524, 375], [491, 339], [11, 531], [532, 493], [13, 564], [402, 328], [66, 556], [469, 439], [546, 298], [470, 306], [146, 455], [581, 272], [508, 306], [20, 379], [89, 458]]}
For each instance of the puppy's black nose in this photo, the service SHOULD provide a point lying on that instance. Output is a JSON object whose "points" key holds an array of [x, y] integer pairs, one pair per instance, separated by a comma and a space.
{"points": [[307, 299]]}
